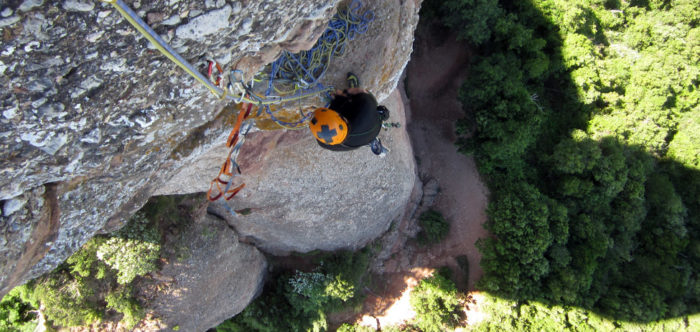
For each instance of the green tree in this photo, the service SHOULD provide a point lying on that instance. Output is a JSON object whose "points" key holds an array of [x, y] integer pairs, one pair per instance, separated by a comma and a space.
{"points": [[473, 19], [84, 262], [67, 301], [436, 304], [434, 227], [133, 251], [584, 115], [82, 290], [302, 300], [123, 301], [16, 315]]}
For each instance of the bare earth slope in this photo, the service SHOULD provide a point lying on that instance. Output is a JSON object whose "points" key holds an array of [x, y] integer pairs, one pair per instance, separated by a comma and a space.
{"points": [[434, 76]]}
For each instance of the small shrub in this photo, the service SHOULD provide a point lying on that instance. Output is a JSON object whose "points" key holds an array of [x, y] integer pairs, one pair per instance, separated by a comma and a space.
{"points": [[355, 328], [436, 303], [300, 302], [122, 301], [80, 291], [139, 228], [339, 288], [16, 315], [307, 290], [315, 291], [84, 262], [131, 258], [66, 301], [400, 328], [434, 227], [134, 251], [349, 271], [270, 312]]}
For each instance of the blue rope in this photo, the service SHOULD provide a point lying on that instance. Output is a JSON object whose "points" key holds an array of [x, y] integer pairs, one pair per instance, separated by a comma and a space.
{"points": [[304, 70]]}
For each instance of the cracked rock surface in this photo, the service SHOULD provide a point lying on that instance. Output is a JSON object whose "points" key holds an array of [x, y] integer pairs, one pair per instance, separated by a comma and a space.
{"points": [[94, 120], [90, 108]]}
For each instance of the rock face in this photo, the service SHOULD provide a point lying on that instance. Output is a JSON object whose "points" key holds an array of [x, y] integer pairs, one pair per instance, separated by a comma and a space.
{"points": [[212, 276], [94, 120], [300, 197]]}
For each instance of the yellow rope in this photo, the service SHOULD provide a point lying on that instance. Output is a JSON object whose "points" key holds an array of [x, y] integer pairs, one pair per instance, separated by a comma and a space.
{"points": [[135, 24], [221, 94]]}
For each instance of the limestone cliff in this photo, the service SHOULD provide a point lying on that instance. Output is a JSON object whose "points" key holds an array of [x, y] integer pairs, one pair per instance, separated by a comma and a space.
{"points": [[94, 120]]}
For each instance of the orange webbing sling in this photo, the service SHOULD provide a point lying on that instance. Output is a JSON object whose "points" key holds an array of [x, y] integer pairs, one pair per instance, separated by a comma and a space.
{"points": [[234, 142]]}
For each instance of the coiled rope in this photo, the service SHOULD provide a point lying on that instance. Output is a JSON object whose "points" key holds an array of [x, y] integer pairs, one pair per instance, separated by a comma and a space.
{"points": [[293, 77], [302, 70]]}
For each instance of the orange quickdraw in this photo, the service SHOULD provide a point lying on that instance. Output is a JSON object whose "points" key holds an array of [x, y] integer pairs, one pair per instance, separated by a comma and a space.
{"points": [[226, 172]]}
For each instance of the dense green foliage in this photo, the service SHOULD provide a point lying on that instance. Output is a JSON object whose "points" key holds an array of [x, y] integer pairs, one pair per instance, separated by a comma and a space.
{"points": [[67, 300], [300, 301], [16, 315], [436, 304], [391, 328], [354, 328], [122, 301], [434, 227], [90, 283], [510, 316], [583, 116], [133, 251]]}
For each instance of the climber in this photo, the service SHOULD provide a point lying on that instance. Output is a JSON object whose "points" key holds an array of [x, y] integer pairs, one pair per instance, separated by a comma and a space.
{"points": [[352, 120]]}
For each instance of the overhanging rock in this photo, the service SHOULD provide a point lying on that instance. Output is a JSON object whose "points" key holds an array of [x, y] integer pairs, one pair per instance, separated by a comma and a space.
{"points": [[91, 111]]}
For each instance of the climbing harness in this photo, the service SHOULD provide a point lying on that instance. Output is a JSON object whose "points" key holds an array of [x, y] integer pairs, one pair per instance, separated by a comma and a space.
{"points": [[290, 78]]}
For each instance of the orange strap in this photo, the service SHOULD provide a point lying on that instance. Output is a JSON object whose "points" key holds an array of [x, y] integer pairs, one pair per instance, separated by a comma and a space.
{"points": [[226, 172]]}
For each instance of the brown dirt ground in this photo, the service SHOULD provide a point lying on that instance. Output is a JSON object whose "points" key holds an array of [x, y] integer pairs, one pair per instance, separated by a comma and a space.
{"points": [[434, 75]]}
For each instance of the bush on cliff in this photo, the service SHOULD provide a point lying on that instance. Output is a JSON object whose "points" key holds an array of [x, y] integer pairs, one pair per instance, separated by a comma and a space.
{"points": [[16, 315], [434, 227], [436, 303], [300, 301], [91, 282]]}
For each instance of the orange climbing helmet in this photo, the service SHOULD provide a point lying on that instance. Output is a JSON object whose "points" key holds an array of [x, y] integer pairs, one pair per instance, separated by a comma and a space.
{"points": [[328, 126]]}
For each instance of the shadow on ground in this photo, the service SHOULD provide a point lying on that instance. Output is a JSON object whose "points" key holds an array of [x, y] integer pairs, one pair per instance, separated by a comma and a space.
{"points": [[578, 217]]}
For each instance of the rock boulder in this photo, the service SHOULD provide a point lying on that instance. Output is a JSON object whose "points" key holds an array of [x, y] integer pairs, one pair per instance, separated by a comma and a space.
{"points": [[300, 197], [211, 276]]}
